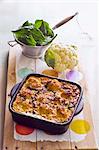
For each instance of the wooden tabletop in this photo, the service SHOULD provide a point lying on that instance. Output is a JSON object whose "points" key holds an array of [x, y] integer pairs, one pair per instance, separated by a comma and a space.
{"points": [[89, 141]]}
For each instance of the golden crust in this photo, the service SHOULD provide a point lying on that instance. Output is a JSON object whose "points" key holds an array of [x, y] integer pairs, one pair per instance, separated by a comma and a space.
{"points": [[54, 85], [48, 98]]}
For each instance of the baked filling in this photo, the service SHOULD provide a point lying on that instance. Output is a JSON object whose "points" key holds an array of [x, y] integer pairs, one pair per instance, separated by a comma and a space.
{"points": [[47, 98]]}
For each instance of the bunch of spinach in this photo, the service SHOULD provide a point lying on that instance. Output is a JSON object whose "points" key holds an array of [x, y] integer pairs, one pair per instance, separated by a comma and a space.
{"points": [[36, 34]]}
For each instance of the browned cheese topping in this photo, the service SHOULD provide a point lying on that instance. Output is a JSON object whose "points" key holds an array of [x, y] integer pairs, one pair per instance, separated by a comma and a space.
{"points": [[48, 98]]}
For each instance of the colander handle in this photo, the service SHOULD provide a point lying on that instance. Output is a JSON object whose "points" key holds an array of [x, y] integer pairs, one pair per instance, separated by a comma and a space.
{"points": [[12, 43], [64, 21]]}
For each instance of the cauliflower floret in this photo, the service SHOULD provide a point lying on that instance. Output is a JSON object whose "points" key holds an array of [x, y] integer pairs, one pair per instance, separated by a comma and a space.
{"points": [[61, 58]]}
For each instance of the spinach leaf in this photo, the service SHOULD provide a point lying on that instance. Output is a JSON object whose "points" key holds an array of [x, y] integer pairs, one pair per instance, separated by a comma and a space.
{"points": [[21, 32], [27, 24], [30, 40], [38, 23], [44, 27], [24, 36], [35, 34], [48, 40]]}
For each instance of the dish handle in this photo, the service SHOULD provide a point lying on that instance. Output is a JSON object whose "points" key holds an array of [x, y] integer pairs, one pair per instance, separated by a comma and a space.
{"points": [[13, 90], [79, 108]]}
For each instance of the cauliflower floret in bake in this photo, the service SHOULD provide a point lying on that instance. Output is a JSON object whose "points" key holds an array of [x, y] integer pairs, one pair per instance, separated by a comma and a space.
{"points": [[54, 85], [63, 114], [22, 106], [45, 80], [34, 83], [27, 93]]}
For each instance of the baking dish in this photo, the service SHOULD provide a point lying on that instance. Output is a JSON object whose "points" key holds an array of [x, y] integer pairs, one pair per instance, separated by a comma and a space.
{"points": [[40, 123]]}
